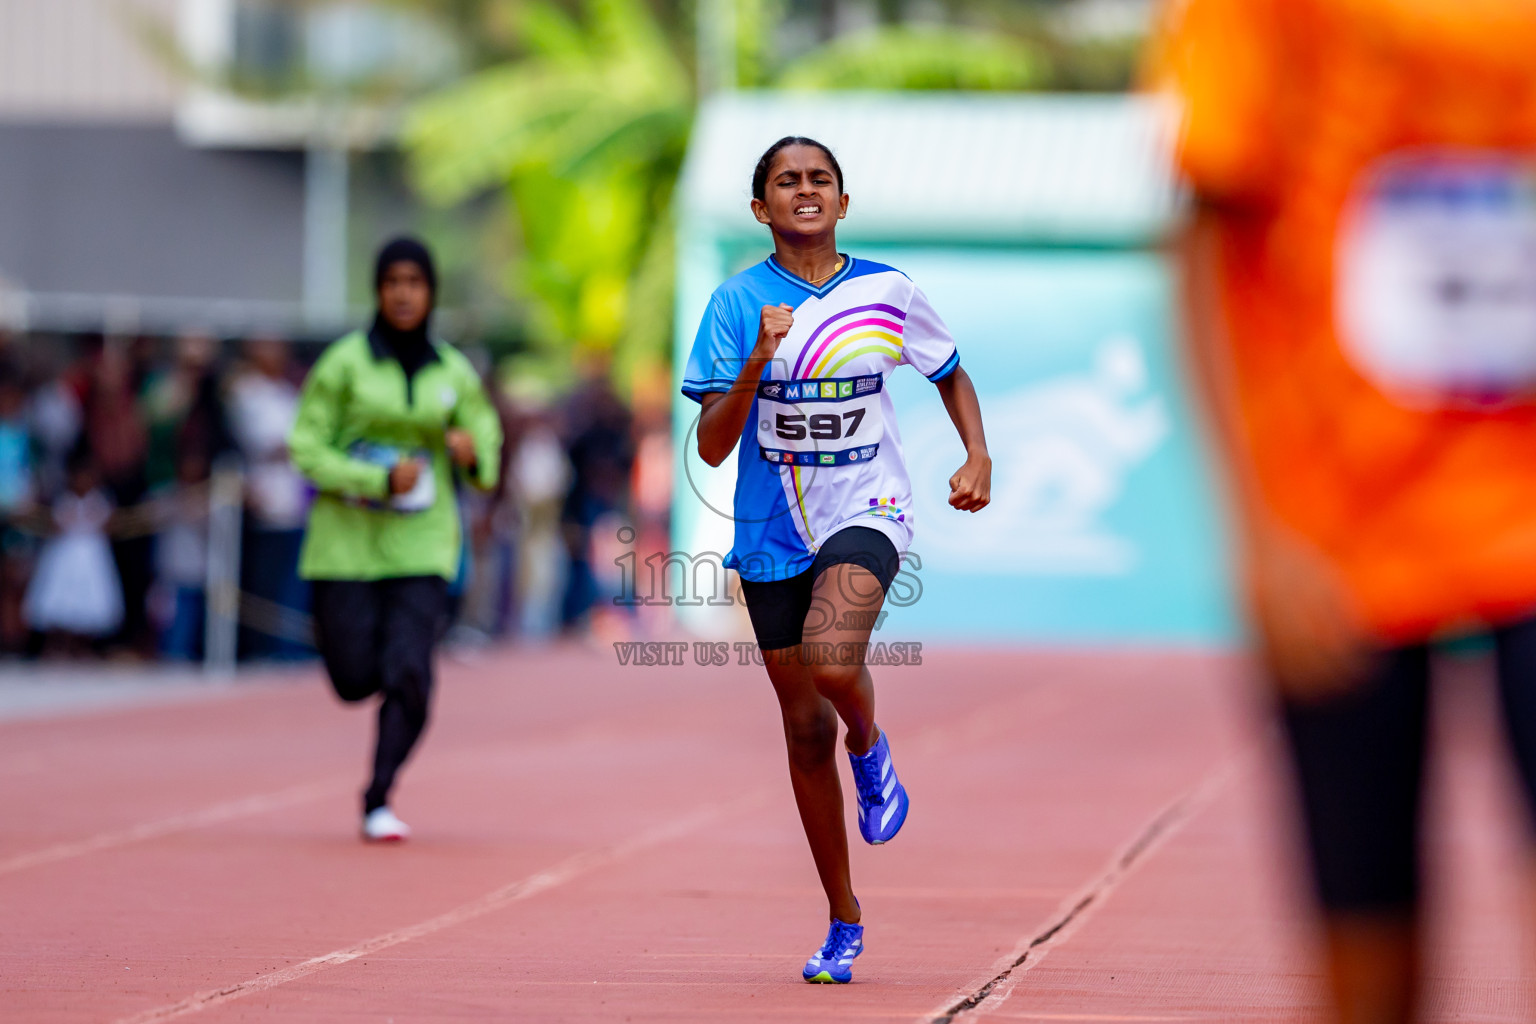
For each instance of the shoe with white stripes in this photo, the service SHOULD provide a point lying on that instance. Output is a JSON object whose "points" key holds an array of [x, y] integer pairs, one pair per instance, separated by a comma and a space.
{"points": [[832, 964], [882, 798], [381, 826]]}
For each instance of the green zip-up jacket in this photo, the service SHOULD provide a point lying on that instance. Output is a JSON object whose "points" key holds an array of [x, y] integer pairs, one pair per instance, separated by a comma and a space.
{"points": [[356, 398]]}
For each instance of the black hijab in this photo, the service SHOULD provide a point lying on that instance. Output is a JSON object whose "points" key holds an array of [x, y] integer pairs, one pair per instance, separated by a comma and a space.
{"points": [[413, 349]]}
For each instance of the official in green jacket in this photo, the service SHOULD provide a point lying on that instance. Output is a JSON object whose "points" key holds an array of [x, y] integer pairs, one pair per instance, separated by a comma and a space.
{"points": [[386, 421]]}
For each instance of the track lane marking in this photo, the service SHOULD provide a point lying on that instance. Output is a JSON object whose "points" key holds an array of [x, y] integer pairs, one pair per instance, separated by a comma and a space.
{"points": [[263, 803], [995, 989], [1089, 1017], [567, 870], [215, 815], [982, 721]]}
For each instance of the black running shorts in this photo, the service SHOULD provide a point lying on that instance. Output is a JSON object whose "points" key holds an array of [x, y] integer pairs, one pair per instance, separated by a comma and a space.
{"points": [[779, 607]]}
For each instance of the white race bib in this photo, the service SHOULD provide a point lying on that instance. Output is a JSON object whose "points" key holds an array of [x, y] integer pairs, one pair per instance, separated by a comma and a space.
{"points": [[1436, 277], [421, 497], [418, 498], [822, 422]]}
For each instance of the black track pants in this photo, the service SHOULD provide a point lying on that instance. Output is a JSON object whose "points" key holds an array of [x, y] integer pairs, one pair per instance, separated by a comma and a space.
{"points": [[378, 636], [1359, 762]]}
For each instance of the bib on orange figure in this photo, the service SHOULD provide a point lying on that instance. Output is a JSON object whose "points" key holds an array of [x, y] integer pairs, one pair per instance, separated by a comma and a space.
{"points": [[1377, 160]]}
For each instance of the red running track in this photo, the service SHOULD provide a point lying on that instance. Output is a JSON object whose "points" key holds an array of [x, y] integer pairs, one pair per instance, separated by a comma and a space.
{"points": [[601, 843]]}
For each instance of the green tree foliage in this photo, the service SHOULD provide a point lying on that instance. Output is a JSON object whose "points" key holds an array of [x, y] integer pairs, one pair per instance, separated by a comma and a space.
{"points": [[919, 57], [577, 112], [585, 135], [583, 122]]}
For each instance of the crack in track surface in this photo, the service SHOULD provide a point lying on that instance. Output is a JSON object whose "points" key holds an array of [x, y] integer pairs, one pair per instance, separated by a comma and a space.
{"points": [[1161, 827]]}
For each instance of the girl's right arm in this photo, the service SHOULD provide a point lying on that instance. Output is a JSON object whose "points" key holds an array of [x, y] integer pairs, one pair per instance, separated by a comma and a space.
{"points": [[312, 446], [725, 412]]}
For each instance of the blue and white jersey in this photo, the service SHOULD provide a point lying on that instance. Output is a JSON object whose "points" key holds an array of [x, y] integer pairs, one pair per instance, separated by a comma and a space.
{"points": [[820, 450]]}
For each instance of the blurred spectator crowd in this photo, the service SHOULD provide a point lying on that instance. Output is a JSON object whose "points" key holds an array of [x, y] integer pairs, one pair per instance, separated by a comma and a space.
{"points": [[108, 447]]}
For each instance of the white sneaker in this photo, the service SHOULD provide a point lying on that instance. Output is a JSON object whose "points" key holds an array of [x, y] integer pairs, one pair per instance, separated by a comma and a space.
{"points": [[381, 826]]}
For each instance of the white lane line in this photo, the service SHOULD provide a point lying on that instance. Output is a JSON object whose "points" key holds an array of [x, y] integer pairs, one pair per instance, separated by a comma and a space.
{"points": [[1076, 910], [559, 874], [1079, 1017], [264, 802], [217, 814]]}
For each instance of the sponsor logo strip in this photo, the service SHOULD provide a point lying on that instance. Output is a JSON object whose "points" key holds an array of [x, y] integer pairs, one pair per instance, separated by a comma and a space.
{"points": [[846, 457], [831, 390]]}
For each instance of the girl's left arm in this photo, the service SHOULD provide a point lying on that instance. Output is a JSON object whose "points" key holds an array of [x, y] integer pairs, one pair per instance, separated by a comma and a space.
{"points": [[970, 489], [475, 415]]}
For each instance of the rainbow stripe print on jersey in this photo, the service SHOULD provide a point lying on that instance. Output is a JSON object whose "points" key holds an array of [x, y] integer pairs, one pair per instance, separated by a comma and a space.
{"points": [[874, 329], [887, 508]]}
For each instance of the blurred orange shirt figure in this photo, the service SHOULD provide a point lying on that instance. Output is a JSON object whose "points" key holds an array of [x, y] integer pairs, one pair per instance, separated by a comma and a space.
{"points": [[1379, 286]]}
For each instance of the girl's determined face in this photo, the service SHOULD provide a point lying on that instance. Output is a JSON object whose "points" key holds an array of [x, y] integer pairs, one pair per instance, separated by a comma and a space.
{"points": [[405, 296], [802, 197]]}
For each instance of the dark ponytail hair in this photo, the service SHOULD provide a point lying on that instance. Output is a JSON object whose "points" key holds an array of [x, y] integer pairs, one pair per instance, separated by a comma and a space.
{"points": [[760, 175]]}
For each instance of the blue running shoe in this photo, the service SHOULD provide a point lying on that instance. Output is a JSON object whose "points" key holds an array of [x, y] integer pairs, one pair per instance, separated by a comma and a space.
{"points": [[882, 799], [832, 964]]}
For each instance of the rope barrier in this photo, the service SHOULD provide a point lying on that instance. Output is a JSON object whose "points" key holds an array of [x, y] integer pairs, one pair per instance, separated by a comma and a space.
{"points": [[276, 620], [143, 519], [218, 502]]}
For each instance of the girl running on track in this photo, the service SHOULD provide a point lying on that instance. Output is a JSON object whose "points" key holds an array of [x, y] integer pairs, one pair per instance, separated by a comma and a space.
{"points": [[384, 418], [791, 360]]}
